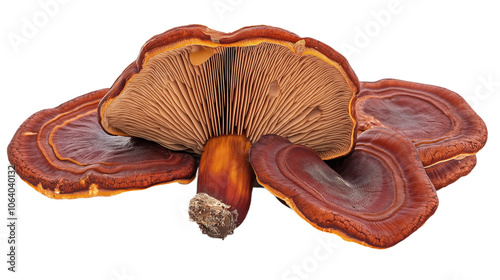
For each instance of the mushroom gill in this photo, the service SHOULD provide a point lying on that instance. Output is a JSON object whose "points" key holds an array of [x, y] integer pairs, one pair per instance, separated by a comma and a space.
{"points": [[184, 96]]}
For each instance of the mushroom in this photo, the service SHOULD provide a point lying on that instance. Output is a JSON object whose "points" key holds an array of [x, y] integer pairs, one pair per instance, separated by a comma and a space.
{"points": [[64, 153], [213, 94], [444, 128], [258, 105], [376, 196]]}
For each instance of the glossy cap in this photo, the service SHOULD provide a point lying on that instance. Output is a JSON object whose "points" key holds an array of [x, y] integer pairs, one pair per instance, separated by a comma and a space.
{"points": [[439, 122], [64, 153], [376, 196]]}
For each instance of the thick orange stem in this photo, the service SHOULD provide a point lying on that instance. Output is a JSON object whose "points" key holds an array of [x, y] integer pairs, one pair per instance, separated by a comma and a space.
{"points": [[225, 174]]}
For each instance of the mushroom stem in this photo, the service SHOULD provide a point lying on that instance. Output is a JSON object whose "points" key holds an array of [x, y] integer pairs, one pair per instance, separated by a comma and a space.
{"points": [[225, 182]]}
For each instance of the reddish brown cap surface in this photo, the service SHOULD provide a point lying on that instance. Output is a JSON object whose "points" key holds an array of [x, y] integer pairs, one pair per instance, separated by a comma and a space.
{"points": [[64, 153], [376, 196], [439, 122]]}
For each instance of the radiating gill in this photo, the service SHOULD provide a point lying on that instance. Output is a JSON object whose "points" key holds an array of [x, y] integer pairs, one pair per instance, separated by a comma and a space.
{"points": [[197, 92]]}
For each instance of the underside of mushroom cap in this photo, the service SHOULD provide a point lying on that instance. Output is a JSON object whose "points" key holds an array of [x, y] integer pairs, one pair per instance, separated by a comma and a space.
{"points": [[443, 127], [64, 153], [193, 83], [376, 196]]}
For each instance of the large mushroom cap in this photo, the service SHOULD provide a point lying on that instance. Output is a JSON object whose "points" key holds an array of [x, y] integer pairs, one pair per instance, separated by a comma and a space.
{"points": [[64, 153], [192, 83], [376, 196], [444, 128]]}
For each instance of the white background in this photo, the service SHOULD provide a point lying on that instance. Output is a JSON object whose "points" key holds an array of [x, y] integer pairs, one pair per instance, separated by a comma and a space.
{"points": [[80, 46]]}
